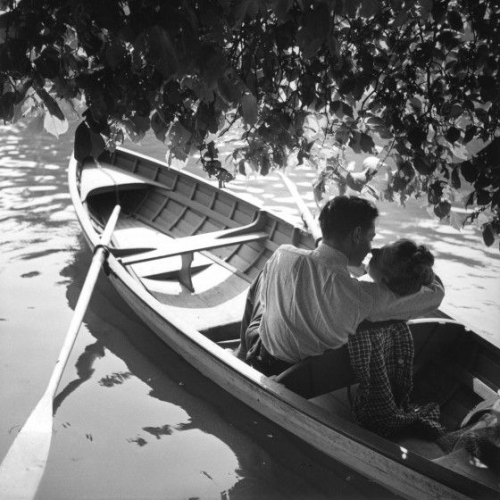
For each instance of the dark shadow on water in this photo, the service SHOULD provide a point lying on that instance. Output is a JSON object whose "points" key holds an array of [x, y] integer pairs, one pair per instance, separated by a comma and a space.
{"points": [[157, 432], [114, 379], [84, 371]]}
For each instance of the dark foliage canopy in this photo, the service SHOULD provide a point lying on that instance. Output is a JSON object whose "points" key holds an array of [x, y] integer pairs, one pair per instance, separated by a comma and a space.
{"points": [[414, 81]]}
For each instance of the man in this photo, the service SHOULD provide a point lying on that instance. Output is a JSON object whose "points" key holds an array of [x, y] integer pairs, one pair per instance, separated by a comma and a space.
{"points": [[306, 302]]}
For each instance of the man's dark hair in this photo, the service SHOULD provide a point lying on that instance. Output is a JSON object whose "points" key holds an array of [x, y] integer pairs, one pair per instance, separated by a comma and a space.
{"points": [[343, 214]]}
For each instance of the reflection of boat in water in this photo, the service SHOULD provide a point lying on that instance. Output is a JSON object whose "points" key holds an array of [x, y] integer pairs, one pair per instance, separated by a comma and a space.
{"points": [[183, 256]]}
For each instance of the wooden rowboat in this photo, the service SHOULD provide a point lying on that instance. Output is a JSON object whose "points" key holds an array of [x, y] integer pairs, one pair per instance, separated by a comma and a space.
{"points": [[183, 255]]}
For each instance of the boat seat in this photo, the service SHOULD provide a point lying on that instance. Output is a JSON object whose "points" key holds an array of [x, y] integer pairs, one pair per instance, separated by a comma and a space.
{"points": [[319, 375], [187, 246], [337, 402]]}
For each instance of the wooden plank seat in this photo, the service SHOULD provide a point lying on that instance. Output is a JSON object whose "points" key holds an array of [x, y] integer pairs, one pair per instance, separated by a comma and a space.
{"points": [[187, 246], [319, 375]]}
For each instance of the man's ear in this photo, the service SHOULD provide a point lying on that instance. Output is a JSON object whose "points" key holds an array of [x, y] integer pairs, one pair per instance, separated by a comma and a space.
{"points": [[356, 235]]}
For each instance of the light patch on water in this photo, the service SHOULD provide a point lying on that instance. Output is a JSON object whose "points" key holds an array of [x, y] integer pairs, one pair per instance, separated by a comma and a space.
{"points": [[9, 172], [41, 188], [46, 208], [16, 163]]}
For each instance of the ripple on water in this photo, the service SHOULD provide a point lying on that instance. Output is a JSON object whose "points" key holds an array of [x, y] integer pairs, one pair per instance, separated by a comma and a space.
{"points": [[42, 188], [16, 163]]}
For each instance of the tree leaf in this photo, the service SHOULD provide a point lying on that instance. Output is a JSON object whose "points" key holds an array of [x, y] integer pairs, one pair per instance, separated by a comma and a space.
{"points": [[7, 101], [400, 19], [416, 136], [48, 63], [351, 7], [370, 8], [342, 135], [347, 110], [354, 142], [308, 43], [318, 21], [162, 51], [249, 108], [239, 10], [488, 235], [311, 127], [469, 171], [435, 193], [455, 178], [179, 135], [470, 133], [489, 89], [281, 8], [426, 7], [423, 165], [336, 107], [375, 121], [482, 197], [265, 165], [416, 103], [452, 134], [366, 143], [54, 125], [98, 144], [442, 209], [159, 127], [83, 142], [50, 103], [455, 20], [115, 53], [455, 111]]}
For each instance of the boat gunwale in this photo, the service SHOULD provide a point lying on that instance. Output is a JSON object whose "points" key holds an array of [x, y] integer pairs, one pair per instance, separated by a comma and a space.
{"points": [[428, 471]]}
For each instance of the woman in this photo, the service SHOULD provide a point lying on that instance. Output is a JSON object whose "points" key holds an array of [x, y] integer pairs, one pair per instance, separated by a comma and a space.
{"points": [[381, 354]]}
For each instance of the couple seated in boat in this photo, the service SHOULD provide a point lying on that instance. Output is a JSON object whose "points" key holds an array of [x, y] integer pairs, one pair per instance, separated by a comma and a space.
{"points": [[306, 302]]}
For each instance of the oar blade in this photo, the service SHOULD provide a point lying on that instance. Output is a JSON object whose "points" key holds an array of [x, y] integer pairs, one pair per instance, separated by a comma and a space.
{"points": [[22, 468]]}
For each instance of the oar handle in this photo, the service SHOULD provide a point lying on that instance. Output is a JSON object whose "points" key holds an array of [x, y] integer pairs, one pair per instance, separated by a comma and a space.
{"points": [[306, 214], [83, 301]]}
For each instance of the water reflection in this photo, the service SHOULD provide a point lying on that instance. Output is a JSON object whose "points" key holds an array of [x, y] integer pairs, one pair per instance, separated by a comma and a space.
{"points": [[84, 371]]}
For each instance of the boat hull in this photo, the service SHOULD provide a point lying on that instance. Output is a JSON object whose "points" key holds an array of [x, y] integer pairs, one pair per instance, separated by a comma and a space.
{"points": [[388, 464]]}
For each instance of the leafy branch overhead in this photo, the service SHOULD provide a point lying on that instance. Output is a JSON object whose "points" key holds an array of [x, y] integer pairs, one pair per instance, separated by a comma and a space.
{"points": [[416, 82]]}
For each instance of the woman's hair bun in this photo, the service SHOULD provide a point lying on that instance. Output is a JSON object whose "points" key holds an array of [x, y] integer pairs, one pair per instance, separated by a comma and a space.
{"points": [[411, 268], [423, 256]]}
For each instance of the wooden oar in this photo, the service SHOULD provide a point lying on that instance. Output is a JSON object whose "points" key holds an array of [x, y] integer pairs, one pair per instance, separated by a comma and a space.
{"points": [[306, 214], [22, 468]]}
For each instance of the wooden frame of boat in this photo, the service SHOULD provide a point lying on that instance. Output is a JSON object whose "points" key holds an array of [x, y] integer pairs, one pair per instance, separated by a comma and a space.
{"points": [[183, 255]]}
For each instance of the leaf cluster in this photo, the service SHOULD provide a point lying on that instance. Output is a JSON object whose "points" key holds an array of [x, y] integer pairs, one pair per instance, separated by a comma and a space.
{"points": [[303, 80]]}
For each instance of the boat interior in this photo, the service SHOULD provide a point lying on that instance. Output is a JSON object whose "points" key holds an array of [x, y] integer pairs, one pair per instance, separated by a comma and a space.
{"points": [[453, 366]]}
